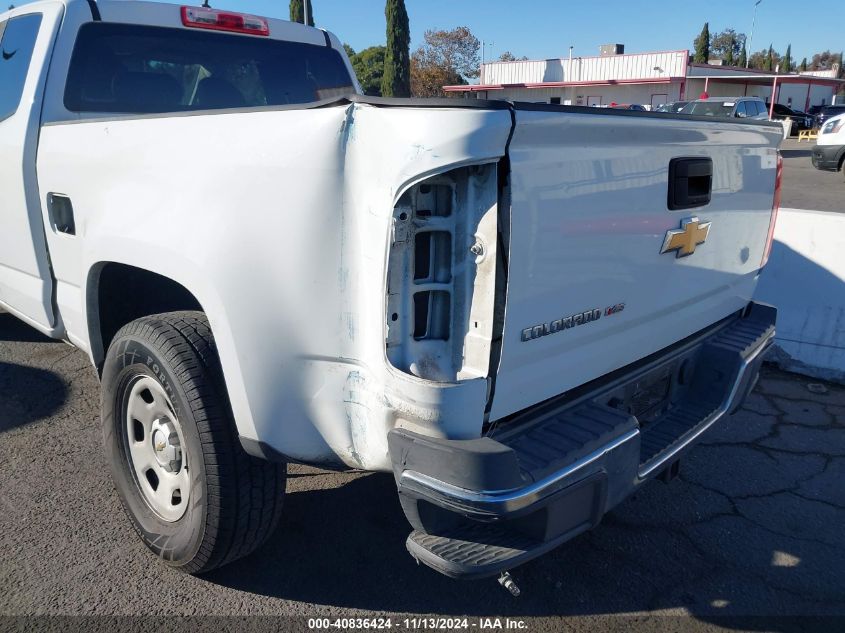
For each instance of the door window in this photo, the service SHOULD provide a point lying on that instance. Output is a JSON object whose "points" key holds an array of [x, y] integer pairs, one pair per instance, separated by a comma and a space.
{"points": [[16, 46]]}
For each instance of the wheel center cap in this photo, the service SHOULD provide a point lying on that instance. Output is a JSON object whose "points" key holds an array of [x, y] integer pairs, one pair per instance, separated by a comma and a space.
{"points": [[159, 441], [166, 446]]}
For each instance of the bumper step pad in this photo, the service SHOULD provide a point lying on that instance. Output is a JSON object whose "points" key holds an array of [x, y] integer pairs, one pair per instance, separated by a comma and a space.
{"points": [[560, 438], [477, 551], [731, 348]]}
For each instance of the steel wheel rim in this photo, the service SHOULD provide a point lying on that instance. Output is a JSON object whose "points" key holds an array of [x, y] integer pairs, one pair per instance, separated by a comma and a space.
{"points": [[156, 449]]}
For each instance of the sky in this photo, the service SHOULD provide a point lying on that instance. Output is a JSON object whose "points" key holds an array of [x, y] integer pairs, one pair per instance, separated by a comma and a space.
{"points": [[542, 29]]}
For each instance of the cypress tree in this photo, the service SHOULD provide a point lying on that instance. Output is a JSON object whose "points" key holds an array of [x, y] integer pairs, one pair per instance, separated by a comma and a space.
{"points": [[702, 45], [743, 57], [396, 81], [769, 62], [729, 56], [786, 62], [803, 66], [297, 12]]}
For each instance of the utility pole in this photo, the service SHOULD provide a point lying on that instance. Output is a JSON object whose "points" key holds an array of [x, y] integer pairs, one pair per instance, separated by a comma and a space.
{"points": [[307, 5], [749, 50], [483, 44]]}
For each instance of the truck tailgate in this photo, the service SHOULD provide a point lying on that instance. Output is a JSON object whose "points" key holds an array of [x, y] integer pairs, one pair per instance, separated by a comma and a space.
{"points": [[588, 289]]}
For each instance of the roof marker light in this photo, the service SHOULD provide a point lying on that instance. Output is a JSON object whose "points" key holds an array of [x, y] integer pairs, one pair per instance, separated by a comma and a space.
{"points": [[202, 18]]}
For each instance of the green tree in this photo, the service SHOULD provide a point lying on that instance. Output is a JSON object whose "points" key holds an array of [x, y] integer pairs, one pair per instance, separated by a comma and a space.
{"points": [[803, 66], [743, 57], [446, 58], [761, 59], [297, 12], [824, 60], [396, 80], [702, 45], [727, 45], [369, 68], [786, 60], [507, 56], [729, 57], [769, 60]]}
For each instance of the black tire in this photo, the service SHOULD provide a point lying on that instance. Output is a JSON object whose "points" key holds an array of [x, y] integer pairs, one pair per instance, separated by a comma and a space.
{"points": [[235, 499]]}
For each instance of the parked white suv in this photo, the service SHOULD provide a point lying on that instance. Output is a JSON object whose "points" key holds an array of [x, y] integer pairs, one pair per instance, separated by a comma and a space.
{"points": [[829, 152], [525, 312]]}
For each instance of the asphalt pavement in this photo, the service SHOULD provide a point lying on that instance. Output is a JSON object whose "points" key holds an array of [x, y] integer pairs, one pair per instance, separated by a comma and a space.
{"points": [[750, 533], [804, 186]]}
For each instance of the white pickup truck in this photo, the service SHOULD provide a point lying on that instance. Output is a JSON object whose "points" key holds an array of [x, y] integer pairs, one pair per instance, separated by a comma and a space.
{"points": [[524, 312]]}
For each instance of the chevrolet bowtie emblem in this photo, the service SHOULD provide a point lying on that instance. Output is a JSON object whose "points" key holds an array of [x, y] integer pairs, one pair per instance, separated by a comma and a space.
{"points": [[684, 240]]}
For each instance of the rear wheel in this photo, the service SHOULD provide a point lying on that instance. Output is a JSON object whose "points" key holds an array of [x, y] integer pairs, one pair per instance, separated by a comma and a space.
{"points": [[194, 496]]}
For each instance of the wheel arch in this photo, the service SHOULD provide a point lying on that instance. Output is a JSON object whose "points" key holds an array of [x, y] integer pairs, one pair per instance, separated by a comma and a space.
{"points": [[118, 293]]}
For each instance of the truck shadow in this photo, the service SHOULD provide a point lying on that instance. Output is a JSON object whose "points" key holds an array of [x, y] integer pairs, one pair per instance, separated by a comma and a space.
{"points": [[13, 329], [28, 394], [796, 153]]}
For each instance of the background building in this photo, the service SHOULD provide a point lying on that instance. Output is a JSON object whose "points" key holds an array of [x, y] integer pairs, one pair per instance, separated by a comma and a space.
{"points": [[649, 79]]}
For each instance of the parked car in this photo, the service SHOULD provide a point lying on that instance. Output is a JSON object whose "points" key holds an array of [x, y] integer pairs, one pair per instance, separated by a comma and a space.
{"points": [[728, 108], [628, 106], [825, 112], [800, 120], [497, 302], [674, 107], [829, 152]]}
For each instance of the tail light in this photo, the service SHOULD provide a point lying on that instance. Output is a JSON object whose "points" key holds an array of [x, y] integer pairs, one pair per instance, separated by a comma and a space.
{"points": [[775, 206], [202, 18]]}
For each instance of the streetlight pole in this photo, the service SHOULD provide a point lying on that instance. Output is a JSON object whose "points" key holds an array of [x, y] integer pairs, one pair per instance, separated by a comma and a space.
{"points": [[751, 38], [483, 45], [305, 4]]}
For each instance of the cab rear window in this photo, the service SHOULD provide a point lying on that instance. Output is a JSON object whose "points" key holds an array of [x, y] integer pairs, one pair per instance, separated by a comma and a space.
{"points": [[124, 68]]}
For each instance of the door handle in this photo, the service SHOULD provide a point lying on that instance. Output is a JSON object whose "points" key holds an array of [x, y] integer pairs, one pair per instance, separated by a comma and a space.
{"points": [[61, 213], [690, 182]]}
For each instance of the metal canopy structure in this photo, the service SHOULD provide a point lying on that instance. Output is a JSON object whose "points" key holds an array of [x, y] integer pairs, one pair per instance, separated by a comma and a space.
{"points": [[518, 79]]}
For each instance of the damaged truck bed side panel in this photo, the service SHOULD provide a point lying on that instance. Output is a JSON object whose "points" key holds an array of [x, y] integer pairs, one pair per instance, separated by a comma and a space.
{"points": [[319, 389]]}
